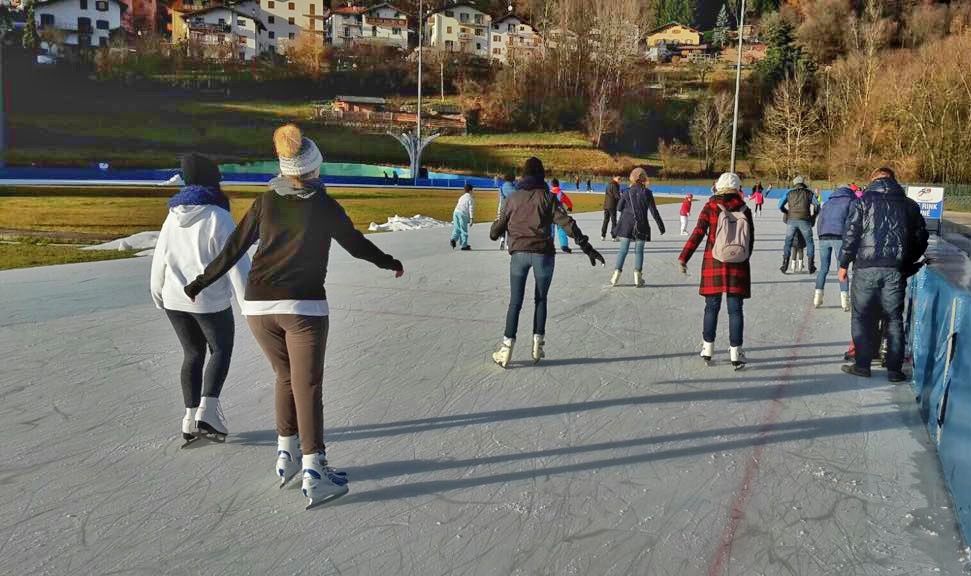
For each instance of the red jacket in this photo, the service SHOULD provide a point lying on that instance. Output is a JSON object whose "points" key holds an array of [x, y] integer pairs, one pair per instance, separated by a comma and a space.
{"points": [[719, 277], [562, 198], [686, 207]]}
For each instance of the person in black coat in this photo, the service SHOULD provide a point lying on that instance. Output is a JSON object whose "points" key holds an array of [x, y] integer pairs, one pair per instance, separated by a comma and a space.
{"points": [[611, 198], [634, 206]]}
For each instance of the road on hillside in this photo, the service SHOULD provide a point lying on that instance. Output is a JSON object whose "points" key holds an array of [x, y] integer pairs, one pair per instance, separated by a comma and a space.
{"points": [[622, 453]]}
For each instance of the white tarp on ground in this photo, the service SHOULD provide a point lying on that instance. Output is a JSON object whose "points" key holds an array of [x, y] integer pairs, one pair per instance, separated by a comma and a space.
{"points": [[401, 224], [621, 453], [139, 241]]}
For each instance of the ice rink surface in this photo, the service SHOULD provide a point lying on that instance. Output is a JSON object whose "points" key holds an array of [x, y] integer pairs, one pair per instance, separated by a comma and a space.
{"points": [[622, 453]]}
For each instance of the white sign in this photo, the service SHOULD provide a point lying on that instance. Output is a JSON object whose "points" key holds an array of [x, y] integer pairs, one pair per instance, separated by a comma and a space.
{"points": [[930, 199]]}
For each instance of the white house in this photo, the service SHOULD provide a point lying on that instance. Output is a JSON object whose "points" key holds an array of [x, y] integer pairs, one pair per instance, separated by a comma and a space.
{"points": [[387, 25], [85, 23], [460, 28], [226, 33], [510, 36], [286, 19], [344, 25]]}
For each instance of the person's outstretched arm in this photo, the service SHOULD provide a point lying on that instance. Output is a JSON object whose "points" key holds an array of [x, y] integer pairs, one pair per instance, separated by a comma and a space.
{"points": [[236, 246], [783, 204], [919, 235], [501, 225], [568, 224], [239, 273], [356, 243], [652, 206]]}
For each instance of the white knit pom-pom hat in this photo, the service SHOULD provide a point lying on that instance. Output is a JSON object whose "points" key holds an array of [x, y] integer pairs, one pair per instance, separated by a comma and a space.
{"points": [[308, 160], [728, 181]]}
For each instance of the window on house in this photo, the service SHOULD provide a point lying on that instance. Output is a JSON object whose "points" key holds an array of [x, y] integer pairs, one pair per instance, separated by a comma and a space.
{"points": [[103, 42], [84, 4], [512, 28], [272, 34], [46, 20], [241, 23], [496, 38], [448, 29], [374, 30], [396, 31], [101, 5], [313, 9], [242, 55], [480, 32], [271, 19], [478, 46], [478, 18], [222, 21], [102, 25], [464, 17], [270, 4], [292, 35], [496, 51], [450, 14], [290, 21], [449, 45], [291, 6]]}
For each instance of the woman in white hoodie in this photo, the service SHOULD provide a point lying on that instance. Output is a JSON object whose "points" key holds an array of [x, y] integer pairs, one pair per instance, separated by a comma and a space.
{"points": [[198, 224]]}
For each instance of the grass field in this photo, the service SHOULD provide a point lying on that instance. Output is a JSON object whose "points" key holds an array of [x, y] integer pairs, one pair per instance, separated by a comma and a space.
{"points": [[115, 213]]}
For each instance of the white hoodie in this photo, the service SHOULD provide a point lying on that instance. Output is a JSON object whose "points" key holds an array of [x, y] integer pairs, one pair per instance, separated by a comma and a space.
{"points": [[191, 238], [466, 205]]}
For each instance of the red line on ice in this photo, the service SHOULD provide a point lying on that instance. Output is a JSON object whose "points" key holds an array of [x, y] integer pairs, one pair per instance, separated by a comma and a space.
{"points": [[720, 562]]}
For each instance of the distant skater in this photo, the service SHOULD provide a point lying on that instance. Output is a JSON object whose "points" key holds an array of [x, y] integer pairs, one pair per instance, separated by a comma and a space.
{"points": [[725, 223], [528, 221], [462, 219], [686, 213], [800, 207], [611, 198], [758, 196], [195, 230], [507, 187], [563, 200], [286, 304], [636, 205]]}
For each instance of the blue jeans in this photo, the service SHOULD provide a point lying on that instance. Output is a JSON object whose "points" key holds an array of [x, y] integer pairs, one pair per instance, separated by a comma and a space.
{"points": [[519, 265], [736, 318], [827, 248], [807, 233], [460, 228], [638, 254], [878, 294]]}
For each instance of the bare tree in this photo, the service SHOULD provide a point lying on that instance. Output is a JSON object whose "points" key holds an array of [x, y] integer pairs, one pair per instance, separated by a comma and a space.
{"points": [[309, 55], [791, 133], [711, 129]]}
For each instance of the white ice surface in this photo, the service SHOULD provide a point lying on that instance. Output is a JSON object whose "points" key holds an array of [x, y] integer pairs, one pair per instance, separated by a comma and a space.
{"points": [[620, 454], [138, 241], [400, 224]]}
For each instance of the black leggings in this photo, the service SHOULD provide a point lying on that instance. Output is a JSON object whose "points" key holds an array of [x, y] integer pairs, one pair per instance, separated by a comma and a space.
{"points": [[196, 333]]}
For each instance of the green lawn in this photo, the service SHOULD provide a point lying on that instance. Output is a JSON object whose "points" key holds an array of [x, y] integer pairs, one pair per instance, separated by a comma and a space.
{"points": [[30, 255]]}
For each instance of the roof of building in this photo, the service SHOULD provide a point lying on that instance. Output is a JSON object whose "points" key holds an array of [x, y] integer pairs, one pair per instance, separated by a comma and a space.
{"points": [[386, 5], [511, 17], [231, 10], [349, 10], [361, 100], [671, 25], [459, 5]]}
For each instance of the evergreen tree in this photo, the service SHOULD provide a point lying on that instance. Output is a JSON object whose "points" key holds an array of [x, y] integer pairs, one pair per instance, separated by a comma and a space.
{"points": [[680, 11], [782, 56], [722, 26], [31, 40]]}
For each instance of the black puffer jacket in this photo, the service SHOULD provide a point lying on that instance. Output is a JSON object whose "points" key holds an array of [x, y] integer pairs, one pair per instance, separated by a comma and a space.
{"points": [[884, 229]]}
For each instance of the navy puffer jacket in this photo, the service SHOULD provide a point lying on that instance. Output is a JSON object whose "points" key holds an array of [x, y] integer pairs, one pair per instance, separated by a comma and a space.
{"points": [[884, 229], [635, 205], [832, 216]]}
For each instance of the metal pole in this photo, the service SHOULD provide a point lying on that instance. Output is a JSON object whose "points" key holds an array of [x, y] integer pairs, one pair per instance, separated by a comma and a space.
{"points": [[738, 83], [421, 25], [3, 107]]}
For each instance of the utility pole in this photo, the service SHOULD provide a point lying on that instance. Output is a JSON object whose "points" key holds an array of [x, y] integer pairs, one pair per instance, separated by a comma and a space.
{"points": [[738, 83]]}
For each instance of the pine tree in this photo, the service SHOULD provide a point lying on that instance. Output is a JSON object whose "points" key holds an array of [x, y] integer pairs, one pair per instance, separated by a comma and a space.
{"points": [[782, 56], [722, 26], [30, 40], [680, 11]]}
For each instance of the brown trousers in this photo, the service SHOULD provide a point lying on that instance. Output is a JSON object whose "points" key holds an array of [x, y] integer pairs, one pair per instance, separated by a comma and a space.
{"points": [[295, 347]]}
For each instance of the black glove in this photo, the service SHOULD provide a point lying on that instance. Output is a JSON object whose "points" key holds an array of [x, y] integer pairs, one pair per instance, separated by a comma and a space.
{"points": [[193, 289], [592, 254], [396, 266], [661, 228], [683, 267]]}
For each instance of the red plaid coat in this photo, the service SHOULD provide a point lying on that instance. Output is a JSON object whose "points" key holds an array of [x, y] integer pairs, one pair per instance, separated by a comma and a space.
{"points": [[719, 277]]}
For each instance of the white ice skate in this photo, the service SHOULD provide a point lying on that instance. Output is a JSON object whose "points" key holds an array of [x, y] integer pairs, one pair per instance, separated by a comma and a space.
{"points": [[845, 301], [504, 354], [707, 351], [538, 352], [638, 279], [190, 432], [738, 357], [287, 465], [615, 278], [818, 298], [321, 483], [211, 420], [802, 265]]}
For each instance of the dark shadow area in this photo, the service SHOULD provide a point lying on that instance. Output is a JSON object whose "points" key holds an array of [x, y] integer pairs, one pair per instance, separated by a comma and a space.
{"points": [[755, 435]]}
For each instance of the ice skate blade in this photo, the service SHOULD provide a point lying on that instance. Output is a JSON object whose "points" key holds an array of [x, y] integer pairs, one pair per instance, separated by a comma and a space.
{"points": [[321, 501], [211, 433], [284, 480], [738, 367], [189, 440], [706, 360]]}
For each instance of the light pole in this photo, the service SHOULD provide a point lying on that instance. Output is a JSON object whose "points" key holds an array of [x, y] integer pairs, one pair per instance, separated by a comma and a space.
{"points": [[738, 83]]}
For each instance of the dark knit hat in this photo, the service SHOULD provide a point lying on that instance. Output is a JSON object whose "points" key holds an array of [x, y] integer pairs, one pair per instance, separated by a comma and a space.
{"points": [[534, 169], [199, 170], [468, 187]]}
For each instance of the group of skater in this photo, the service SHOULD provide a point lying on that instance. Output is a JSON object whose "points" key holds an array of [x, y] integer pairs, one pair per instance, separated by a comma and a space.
{"points": [[203, 260]]}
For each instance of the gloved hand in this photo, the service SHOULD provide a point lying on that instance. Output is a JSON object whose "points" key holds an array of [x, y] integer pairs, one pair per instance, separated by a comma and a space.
{"points": [[683, 267], [193, 289], [592, 254], [661, 228]]}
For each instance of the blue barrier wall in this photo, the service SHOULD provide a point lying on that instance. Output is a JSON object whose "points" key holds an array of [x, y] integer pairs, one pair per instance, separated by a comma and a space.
{"points": [[940, 303]]}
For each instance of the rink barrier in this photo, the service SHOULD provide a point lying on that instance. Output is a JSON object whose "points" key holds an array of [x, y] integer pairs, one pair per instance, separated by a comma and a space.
{"points": [[940, 338]]}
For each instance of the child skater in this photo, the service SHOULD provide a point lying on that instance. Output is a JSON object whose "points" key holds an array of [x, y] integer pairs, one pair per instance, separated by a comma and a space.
{"points": [[462, 219], [685, 213]]}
